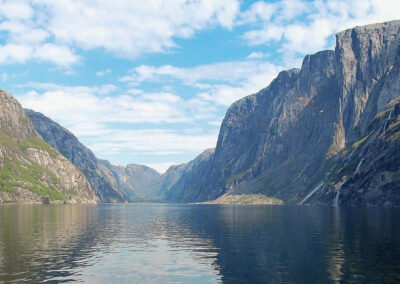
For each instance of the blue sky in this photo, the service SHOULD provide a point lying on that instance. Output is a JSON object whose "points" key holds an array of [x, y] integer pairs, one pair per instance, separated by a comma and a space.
{"points": [[150, 83]]}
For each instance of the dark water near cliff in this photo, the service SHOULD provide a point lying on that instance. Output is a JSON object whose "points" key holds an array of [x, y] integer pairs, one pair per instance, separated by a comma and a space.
{"points": [[155, 243]]}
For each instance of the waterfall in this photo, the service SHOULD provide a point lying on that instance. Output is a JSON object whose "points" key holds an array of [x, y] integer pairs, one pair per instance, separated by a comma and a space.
{"points": [[389, 118], [358, 166], [311, 193], [337, 196], [336, 199]]}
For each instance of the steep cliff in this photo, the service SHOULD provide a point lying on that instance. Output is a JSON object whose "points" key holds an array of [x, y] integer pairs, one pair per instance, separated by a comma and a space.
{"points": [[189, 180], [30, 170], [100, 177], [301, 139]]}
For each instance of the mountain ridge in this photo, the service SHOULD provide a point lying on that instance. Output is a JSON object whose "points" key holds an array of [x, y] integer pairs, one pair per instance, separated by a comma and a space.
{"points": [[326, 133]]}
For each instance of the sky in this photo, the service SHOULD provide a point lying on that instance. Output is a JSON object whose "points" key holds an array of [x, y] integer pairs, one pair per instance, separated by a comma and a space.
{"points": [[149, 82]]}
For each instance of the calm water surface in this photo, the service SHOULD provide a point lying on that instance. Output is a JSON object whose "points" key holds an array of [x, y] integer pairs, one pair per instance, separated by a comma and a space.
{"points": [[158, 243]]}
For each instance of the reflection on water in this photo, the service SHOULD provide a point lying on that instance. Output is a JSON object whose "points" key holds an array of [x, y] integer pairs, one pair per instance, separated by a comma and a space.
{"points": [[160, 243]]}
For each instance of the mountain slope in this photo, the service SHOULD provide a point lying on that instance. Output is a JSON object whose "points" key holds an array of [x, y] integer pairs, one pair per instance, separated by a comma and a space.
{"points": [[102, 180], [293, 139], [30, 170], [136, 181]]}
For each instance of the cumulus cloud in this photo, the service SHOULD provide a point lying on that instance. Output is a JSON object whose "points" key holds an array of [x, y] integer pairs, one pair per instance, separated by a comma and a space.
{"points": [[130, 28], [103, 72], [157, 141], [60, 55], [303, 27], [16, 9], [257, 55], [92, 111], [220, 83], [100, 117], [258, 11], [86, 105], [125, 28]]}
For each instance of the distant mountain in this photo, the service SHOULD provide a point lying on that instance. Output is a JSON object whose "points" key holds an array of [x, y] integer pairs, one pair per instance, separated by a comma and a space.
{"points": [[30, 170], [163, 184], [136, 181], [327, 133]]}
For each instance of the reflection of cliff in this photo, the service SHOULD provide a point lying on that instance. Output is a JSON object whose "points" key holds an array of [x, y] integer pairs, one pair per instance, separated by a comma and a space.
{"points": [[102, 243], [362, 245], [335, 249], [199, 243], [301, 245], [36, 241], [153, 243]]}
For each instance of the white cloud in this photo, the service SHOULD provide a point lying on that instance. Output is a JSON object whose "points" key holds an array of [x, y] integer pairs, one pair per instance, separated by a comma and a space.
{"points": [[270, 32], [220, 83], [21, 53], [303, 27], [258, 11], [15, 9], [23, 32], [50, 30], [158, 141], [4, 77], [257, 55], [89, 106], [60, 55], [103, 72], [88, 110], [11, 53], [129, 28], [223, 71]]}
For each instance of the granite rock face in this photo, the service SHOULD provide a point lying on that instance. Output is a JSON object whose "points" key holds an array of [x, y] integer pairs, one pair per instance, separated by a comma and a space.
{"points": [[190, 176], [30, 170], [301, 139], [100, 177]]}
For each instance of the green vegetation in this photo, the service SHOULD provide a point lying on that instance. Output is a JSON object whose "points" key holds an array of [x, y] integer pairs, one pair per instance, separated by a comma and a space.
{"points": [[394, 137], [28, 176], [32, 142], [359, 142], [70, 192], [394, 124], [247, 199], [238, 176], [38, 143], [382, 114], [333, 150], [9, 201]]}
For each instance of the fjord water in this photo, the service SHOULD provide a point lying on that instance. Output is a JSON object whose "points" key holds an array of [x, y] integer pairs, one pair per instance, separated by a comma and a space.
{"points": [[161, 243]]}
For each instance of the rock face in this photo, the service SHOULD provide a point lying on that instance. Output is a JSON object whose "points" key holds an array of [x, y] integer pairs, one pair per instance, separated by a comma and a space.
{"points": [[136, 181], [30, 170], [100, 177], [325, 134], [188, 185]]}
